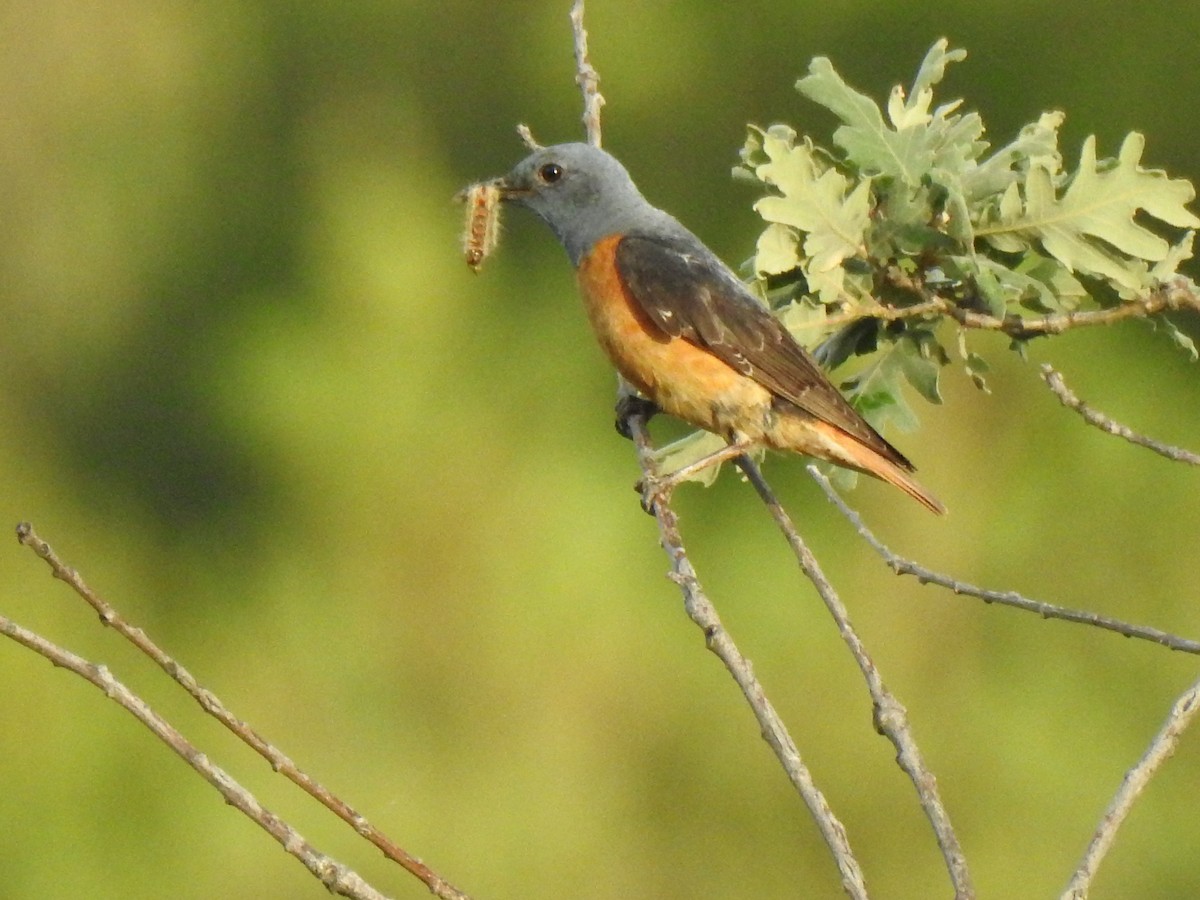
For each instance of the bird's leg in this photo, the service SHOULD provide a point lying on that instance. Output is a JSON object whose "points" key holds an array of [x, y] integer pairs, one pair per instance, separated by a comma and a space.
{"points": [[655, 488], [630, 405]]}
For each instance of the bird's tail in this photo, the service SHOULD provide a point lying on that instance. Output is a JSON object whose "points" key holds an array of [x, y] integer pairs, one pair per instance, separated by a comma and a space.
{"points": [[825, 441], [886, 470]]}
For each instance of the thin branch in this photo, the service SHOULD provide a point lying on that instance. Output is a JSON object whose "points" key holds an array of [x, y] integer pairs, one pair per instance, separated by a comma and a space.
{"points": [[527, 137], [338, 878], [1177, 295], [891, 718], [701, 611], [209, 702], [1093, 417], [586, 77], [1135, 781], [902, 566]]}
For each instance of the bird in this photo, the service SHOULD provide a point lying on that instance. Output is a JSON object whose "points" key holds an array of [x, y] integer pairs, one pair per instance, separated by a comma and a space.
{"points": [[683, 328]]}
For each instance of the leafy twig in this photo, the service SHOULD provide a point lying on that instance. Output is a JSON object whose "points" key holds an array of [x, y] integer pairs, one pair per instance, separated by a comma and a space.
{"points": [[1176, 296], [1173, 297], [891, 718], [1093, 417], [209, 702], [1135, 781], [338, 878], [902, 566]]}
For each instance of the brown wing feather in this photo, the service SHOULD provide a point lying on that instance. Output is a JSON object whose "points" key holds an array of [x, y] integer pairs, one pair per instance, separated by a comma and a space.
{"points": [[689, 293]]}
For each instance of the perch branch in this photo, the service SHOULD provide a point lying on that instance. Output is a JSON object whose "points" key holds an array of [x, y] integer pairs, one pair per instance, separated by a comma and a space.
{"points": [[891, 718], [1093, 417], [701, 611], [338, 878], [209, 702], [695, 601], [902, 566]]}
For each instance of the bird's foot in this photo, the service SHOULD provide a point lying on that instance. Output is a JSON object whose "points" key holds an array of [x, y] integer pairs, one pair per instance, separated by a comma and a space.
{"points": [[657, 488], [630, 405]]}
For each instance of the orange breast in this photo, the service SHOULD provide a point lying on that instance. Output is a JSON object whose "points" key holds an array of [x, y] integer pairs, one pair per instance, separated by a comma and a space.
{"points": [[683, 379], [692, 384]]}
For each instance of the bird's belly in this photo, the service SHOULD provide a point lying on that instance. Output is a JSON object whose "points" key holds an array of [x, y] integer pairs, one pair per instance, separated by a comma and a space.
{"points": [[683, 379]]}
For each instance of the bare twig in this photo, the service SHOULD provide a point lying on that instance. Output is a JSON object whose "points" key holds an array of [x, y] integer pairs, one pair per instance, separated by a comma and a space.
{"points": [[209, 702], [1135, 781], [586, 77], [527, 137], [1093, 417], [338, 878], [891, 718], [902, 566], [701, 611]]}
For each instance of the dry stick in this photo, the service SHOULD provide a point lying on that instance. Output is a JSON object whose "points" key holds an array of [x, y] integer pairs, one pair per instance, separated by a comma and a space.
{"points": [[1136, 779], [701, 611], [1093, 417], [338, 878], [586, 77], [588, 80], [902, 566], [213, 706], [527, 137], [891, 718]]}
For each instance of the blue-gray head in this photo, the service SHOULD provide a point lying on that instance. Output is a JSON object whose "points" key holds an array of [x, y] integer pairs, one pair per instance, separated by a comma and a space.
{"points": [[583, 194]]}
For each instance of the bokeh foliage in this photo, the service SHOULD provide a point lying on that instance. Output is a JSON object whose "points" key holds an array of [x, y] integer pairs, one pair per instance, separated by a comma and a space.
{"points": [[377, 503]]}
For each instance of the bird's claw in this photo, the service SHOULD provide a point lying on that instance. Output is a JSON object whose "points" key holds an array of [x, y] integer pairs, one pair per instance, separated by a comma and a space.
{"points": [[630, 405]]}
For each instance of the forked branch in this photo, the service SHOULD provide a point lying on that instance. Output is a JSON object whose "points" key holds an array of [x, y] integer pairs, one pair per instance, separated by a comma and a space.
{"points": [[209, 702]]}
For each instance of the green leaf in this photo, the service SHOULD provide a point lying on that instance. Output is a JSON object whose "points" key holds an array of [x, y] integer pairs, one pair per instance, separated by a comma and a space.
{"points": [[921, 360], [776, 250], [1037, 282], [1168, 267], [877, 391], [974, 365], [886, 407], [1058, 289], [1036, 145], [993, 290], [687, 450], [1091, 228], [1181, 340], [913, 142], [808, 321], [817, 200]]}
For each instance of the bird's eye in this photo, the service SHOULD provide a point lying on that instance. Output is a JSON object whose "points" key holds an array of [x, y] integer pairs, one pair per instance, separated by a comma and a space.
{"points": [[550, 173]]}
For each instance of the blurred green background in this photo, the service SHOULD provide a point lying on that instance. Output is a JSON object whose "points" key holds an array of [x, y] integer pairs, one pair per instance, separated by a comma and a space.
{"points": [[377, 503]]}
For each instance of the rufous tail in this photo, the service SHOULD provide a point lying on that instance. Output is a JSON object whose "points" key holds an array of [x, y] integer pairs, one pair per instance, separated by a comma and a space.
{"points": [[888, 471], [817, 438]]}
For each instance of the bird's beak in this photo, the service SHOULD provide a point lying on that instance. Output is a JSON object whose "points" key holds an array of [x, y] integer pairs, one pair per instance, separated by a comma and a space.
{"points": [[499, 188], [508, 190]]}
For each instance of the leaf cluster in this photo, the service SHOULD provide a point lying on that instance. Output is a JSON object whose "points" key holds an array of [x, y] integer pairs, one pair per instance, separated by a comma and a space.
{"points": [[912, 217]]}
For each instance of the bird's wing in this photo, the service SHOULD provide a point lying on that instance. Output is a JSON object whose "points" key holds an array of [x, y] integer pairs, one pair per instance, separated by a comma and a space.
{"points": [[689, 293]]}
